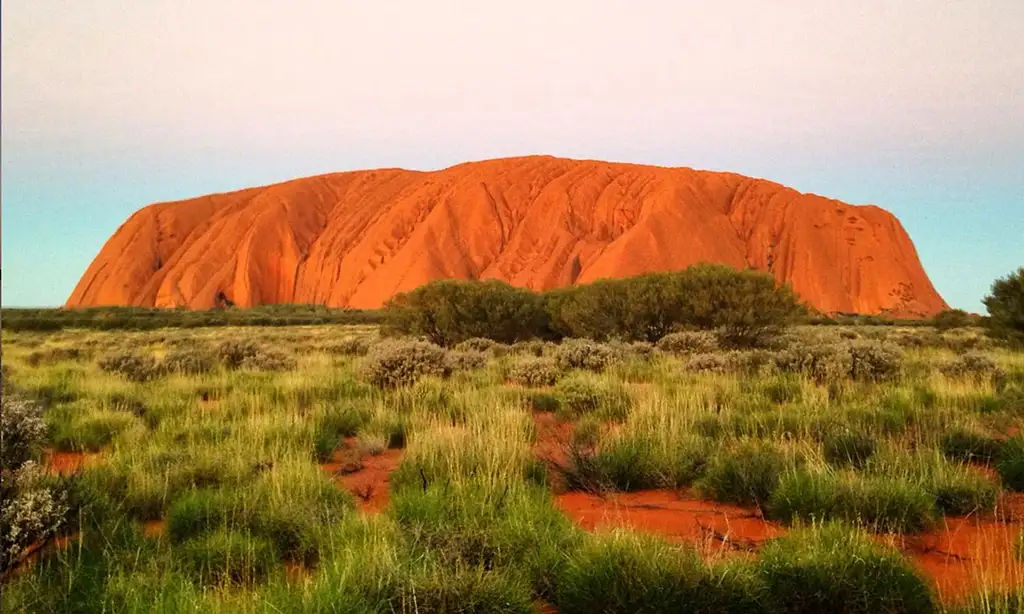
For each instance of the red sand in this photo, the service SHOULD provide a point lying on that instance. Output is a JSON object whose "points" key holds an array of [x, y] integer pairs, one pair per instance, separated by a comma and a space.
{"points": [[67, 463], [154, 528], [368, 483], [355, 239]]}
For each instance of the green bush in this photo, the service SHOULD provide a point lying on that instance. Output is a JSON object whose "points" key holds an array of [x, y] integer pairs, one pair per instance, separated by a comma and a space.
{"points": [[534, 372], [485, 346], [822, 363], [832, 568], [395, 363], [970, 446], [746, 475], [132, 366], [848, 448], [232, 353], [709, 363], [461, 589], [583, 354], [949, 319], [1005, 305], [266, 359], [688, 342], [228, 557], [450, 311], [961, 494], [1011, 464]]}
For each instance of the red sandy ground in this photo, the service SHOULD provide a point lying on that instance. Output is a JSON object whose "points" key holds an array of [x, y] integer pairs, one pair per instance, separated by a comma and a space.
{"points": [[368, 484], [66, 463]]}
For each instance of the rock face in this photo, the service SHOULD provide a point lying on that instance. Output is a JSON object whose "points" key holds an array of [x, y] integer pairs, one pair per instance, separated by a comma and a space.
{"points": [[355, 239]]}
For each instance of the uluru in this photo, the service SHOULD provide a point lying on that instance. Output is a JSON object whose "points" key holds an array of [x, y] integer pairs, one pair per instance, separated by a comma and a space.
{"points": [[354, 239]]}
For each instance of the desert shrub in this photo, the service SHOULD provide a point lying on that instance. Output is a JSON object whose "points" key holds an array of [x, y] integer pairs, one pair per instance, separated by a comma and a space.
{"points": [[949, 319], [627, 572], [822, 363], [586, 394], [970, 446], [879, 503], [132, 366], [708, 363], [534, 372], [267, 359], [688, 342], [1011, 463], [233, 352], [973, 365], [394, 363], [350, 346], [627, 464], [22, 428], [746, 475], [848, 448], [189, 362], [485, 346], [875, 361], [584, 354], [228, 557], [1005, 305], [332, 427], [832, 568], [533, 347], [450, 311], [55, 355], [464, 360], [34, 508]]}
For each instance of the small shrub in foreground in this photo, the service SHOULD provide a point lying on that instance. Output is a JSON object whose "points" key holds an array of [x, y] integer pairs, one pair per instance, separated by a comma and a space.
{"points": [[746, 475], [875, 361], [833, 568], [350, 346], [233, 352], [484, 346], [708, 363], [534, 372], [395, 363], [972, 365]]}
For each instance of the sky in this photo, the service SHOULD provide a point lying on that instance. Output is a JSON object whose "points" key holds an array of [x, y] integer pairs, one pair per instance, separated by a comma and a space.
{"points": [[916, 106]]}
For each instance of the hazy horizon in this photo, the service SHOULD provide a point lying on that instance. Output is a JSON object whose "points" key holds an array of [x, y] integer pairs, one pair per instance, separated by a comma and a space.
{"points": [[107, 107]]}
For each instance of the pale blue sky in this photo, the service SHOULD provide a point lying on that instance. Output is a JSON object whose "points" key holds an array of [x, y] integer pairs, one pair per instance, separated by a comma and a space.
{"points": [[916, 105]]}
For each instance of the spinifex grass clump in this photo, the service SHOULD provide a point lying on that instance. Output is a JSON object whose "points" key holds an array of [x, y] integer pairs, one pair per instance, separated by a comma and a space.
{"points": [[747, 474], [228, 557], [1011, 464], [189, 361], [848, 448], [625, 572], [970, 446], [591, 394], [480, 525], [833, 568], [879, 503]]}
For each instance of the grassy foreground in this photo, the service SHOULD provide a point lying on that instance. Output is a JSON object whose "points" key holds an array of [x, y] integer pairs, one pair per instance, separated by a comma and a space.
{"points": [[207, 492]]}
